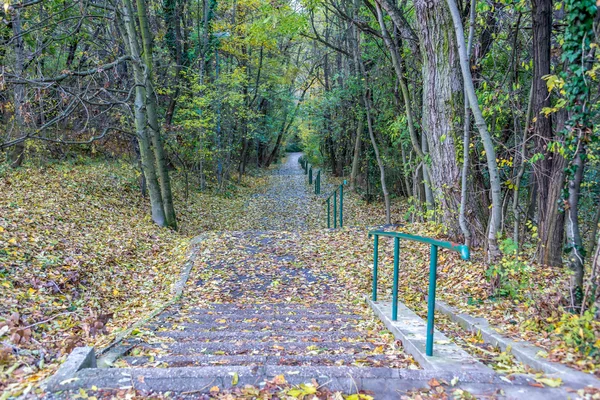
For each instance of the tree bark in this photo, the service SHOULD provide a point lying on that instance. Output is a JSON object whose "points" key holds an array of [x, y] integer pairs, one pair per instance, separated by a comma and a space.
{"points": [[548, 172], [152, 115], [356, 153], [156, 203], [442, 95], [17, 153], [574, 242]]}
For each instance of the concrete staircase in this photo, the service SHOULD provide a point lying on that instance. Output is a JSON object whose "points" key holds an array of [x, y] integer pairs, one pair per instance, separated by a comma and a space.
{"points": [[259, 335]]}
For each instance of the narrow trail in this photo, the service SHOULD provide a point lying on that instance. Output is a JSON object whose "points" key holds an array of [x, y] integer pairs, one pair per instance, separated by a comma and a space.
{"points": [[287, 204]]}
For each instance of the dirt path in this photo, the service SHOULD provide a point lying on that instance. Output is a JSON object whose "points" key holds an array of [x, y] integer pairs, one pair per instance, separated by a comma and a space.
{"points": [[288, 203]]}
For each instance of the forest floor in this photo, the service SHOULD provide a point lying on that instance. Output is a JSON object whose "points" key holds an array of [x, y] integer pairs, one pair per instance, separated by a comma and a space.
{"points": [[80, 261]]}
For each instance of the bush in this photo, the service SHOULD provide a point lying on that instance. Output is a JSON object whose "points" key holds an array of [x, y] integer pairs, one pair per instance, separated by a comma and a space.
{"points": [[578, 332]]}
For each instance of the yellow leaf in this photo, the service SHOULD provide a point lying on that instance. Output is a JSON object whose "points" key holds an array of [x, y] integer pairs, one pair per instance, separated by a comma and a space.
{"points": [[235, 379], [12, 241], [115, 292], [308, 388], [279, 380], [550, 382]]}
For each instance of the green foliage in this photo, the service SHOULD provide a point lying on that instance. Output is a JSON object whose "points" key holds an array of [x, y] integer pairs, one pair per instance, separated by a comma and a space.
{"points": [[578, 332], [512, 276]]}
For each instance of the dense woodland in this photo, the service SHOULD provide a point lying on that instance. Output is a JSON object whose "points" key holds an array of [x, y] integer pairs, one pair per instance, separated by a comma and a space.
{"points": [[479, 115]]}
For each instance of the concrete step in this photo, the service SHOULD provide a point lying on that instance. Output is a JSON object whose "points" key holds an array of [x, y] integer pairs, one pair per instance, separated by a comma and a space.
{"points": [[225, 335], [261, 317], [252, 312], [275, 326], [264, 348], [284, 306], [208, 360], [381, 383]]}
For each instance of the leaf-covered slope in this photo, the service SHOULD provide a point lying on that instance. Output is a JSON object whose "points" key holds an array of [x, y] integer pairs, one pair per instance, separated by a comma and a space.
{"points": [[79, 257]]}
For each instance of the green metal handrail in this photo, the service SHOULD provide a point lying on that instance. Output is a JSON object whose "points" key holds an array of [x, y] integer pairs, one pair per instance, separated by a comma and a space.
{"points": [[463, 250], [333, 194], [310, 176], [318, 183]]}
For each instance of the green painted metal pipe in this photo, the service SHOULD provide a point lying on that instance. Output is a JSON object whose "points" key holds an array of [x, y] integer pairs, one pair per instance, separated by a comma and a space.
{"points": [[335, 209], [318, 183], [435, 244], [375, 261], [341, 206], [396, 273], [328, 216], [319, 190], [431, 299], [460, 248], [310, 176]]}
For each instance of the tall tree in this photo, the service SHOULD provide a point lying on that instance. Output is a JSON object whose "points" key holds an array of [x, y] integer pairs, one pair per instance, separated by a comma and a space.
{"points": [[442, 100], [548, 171]]}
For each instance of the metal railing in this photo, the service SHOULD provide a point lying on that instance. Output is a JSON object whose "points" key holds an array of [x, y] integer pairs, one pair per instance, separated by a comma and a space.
{"points": [[435, 244], [333, 195], [304, 164], [312, 176]]}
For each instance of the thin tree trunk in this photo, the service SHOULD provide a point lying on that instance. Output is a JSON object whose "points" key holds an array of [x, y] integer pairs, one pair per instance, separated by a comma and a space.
{"points": [[367, 105], [17, 153], [152, 114], [517, 184], [595, 223], [574, 242], [156, 203], [548, 172], [462, 219], [405, 172], [496, 216], [356, 154]]}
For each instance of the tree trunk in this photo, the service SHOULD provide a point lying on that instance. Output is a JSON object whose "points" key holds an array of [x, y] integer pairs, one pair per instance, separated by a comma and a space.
{"points": [[490, 153], [147, 159], [367, 104], [356, 153], [595, 223], [462, 218], [152, 115], [442, 95], [16, 154], [517, 183], [574, 242], [548, 172]]}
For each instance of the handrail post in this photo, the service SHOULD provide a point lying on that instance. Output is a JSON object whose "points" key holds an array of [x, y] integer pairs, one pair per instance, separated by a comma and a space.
{"points": [[318, 185], [341, 206], [431, 299], [375, 260], [328, 216], [334, 210], [310, 176], [395, 287]]}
